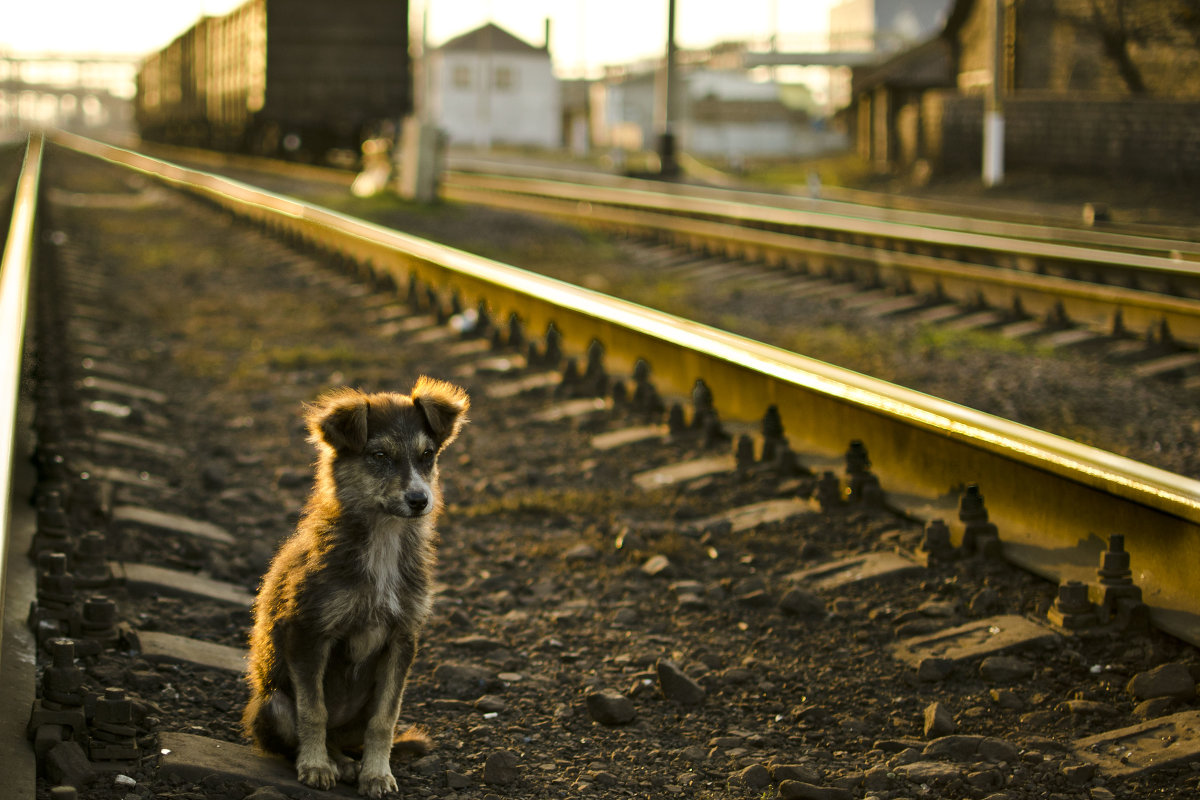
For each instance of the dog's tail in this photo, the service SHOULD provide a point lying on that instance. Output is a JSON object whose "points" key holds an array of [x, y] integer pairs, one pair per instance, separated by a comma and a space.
{"points": [[259, 725], [413, 740]]}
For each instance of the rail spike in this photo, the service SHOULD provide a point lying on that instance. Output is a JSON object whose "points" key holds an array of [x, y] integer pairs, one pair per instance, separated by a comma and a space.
{"points": [[980, 537], [516, 332], [646, 399], [862, 485], [550, 355]]}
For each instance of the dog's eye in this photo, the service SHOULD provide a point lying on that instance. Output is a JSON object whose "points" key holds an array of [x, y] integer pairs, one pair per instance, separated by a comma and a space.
{"points": [[379, 456], [428, 454]]}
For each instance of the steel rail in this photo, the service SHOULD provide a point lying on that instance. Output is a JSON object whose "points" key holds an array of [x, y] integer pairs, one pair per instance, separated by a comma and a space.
{"points": [[1097, 306], [1055, 501], [1000, 250], [17, 655], [866, 205]]}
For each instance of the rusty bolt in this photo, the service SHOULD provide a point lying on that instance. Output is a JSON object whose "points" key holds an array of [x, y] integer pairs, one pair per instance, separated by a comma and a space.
{"points": [[937, 538], [516, 332], [1114, 562], [114, 708], [829, 491], [1072, 609], [1072, 597], [99, 613], [62, 680], [553, 353], [744, 454], [858, 462], [970, 505], [675, 423], [772, 423], [91, 547]]}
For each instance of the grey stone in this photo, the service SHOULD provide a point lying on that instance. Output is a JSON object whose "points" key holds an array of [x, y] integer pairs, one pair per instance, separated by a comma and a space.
{"points": [[939, 609], [609, 707], [794, 772], [581, 552], [478, 644], [802, 603], [1169, 680], [876, 779], [491, 703], [938, 721], [1005, 669], [462, 680], [960, 748], [934, 669], [984, 602], [799, 790], [1154, 707], [427, 765], [266, 793], [625, 618], [657, 566], [993, 749], [678, 687], [1007, 698], [985, 779], [1088, 707], [1079, 774], [930, 771], [456, 780], [66, 763], [753, 777], [501, 767]]}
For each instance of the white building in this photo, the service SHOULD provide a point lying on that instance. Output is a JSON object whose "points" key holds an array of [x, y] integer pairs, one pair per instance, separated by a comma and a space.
{"points": [[723, 114], [488, 87]]}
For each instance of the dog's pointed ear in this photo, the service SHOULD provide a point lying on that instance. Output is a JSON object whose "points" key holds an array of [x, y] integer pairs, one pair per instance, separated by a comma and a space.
{"points": [[444, 406], [339, 419]]}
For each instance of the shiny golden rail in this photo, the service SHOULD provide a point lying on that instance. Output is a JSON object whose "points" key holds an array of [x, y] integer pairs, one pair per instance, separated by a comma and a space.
{"points": [[1055, 501]]}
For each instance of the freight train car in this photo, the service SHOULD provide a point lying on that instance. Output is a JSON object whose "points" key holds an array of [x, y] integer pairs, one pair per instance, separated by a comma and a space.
{"points": [[298, 78]]}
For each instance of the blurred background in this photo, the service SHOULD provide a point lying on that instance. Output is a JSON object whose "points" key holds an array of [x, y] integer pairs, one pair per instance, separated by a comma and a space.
{"points": [[911, 88]]}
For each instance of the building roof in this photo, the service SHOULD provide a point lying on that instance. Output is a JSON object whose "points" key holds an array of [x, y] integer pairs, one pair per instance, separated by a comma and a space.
{"points": [[926, 66], [489, 37]]}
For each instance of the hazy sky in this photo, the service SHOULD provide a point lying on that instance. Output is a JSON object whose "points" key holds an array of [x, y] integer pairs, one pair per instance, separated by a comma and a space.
{"points": [[584, 32]]}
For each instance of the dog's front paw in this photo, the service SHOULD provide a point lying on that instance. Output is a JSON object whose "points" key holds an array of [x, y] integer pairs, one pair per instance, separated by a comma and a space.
{"points": [[376, 786], [319, 773]]}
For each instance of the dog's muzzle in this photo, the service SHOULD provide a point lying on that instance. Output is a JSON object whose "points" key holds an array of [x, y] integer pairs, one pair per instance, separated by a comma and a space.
{"points": [[415, 503]]}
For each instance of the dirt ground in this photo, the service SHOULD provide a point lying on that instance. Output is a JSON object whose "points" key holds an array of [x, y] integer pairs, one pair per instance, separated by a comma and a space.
{"points": [[560, 581]]}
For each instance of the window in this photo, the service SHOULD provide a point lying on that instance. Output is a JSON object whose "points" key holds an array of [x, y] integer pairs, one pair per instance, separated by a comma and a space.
{"points": [[462, 77], [504, 78]]}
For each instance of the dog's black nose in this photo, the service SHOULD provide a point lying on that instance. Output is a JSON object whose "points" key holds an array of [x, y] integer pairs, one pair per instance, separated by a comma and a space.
{"points": [[416, 499]]}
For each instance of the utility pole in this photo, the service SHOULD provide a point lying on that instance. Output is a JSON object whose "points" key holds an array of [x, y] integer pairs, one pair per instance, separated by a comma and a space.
{"points": [[668, 161], [993, 110]]}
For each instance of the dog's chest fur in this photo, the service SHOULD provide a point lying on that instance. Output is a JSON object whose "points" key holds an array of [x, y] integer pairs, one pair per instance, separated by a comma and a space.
{"points": [[393, 565]]}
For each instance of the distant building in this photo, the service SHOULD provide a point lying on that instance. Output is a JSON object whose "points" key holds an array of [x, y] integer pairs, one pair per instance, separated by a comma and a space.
{"points": [[724, 114], [883, 27], [1084, 87], [489, 87]]}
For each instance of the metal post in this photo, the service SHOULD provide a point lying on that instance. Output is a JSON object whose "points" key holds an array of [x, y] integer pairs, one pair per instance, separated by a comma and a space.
{"points": [[993, 112], [668, 162]]}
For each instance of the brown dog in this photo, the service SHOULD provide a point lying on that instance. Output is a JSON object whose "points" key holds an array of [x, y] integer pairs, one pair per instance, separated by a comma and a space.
{"points": [[338, 614]]}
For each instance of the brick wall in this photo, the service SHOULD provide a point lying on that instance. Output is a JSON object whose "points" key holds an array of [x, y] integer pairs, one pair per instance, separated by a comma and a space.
{"points": [[1143, 137]]}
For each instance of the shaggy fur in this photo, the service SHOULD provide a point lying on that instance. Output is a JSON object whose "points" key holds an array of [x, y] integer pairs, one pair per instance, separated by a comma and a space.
{"points": [[338, 613]]}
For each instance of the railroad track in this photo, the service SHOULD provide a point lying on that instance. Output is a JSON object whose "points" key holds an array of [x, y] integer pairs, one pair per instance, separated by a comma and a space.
{"points": [[1077, 288], [829, 641], [1122, 295]]}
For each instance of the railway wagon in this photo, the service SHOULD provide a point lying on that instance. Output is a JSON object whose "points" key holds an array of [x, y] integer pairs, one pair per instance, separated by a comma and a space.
{"points": [[297, 78]]}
